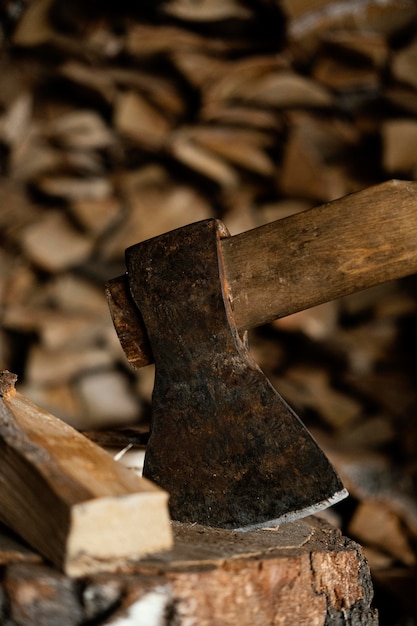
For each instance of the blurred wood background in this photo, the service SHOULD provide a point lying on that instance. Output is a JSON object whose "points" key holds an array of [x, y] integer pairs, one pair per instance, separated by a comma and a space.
{"points": [[120, 121]]}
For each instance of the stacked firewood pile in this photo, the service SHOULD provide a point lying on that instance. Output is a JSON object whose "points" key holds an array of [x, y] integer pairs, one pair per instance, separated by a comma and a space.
{"points": [[120, 122]]}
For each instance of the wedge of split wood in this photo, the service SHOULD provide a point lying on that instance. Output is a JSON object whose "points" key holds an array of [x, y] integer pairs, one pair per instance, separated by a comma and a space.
{"points": [[67, 497]]}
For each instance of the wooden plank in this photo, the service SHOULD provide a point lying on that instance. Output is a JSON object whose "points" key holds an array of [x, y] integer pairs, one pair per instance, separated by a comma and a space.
{"points": [[67, 497]]}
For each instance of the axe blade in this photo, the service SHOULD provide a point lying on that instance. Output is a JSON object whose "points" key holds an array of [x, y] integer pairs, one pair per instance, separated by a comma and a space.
{"points": [[224, 444]]}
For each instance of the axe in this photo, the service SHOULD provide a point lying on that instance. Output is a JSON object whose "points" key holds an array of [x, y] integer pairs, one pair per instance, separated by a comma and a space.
{"points": [[223, 442]]}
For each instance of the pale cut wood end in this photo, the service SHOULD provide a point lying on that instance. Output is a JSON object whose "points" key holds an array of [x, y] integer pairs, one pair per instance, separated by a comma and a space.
{"points": [[108, 533]]}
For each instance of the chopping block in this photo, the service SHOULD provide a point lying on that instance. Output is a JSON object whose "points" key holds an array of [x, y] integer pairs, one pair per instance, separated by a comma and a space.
{"points": [[223, 443], [302, 573]]}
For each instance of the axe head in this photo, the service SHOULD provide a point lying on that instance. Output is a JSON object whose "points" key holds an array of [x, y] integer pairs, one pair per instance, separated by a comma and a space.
{"points": [[223, 443]]}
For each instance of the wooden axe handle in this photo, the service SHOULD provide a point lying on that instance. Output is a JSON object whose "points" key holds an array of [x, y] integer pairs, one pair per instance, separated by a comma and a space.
{"points": [[318, 255], [323, 253]]}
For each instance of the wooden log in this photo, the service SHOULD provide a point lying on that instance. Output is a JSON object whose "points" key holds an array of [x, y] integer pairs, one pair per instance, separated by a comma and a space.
{"points": [[67, 497], [302, 573]]}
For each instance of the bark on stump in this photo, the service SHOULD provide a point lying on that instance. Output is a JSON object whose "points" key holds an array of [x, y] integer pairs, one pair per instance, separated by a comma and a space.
{"points": [[303, 573]]}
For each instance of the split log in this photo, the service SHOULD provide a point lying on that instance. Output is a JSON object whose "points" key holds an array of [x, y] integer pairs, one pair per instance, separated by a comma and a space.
{"points": [[67, 497]]}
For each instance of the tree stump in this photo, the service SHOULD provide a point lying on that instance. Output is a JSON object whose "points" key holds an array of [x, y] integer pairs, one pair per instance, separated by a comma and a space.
{"points": [[303, 573]]}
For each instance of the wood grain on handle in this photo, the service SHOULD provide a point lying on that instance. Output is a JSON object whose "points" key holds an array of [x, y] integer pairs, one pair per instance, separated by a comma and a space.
{"points": [[330, 251]]}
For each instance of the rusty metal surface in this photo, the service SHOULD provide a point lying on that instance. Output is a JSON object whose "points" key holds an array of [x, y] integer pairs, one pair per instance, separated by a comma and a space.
{"points": [[223, 443], [128, 322]]}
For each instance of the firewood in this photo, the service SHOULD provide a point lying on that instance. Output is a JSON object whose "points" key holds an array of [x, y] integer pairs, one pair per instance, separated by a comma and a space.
{"points": [[160, 91], [207, 11], [106, 399], [369, 46], [370, 477], [68, 498], [282, 90], [366, 346], [342, 76], [137, 119], [45, 366], [312, 389], [312, 164], [74, 188], [399, 137], [379, 527], [53, 244], [58, 398], [56, 330], [72, 293], [144, 40], [200, 68], [35, 27], [14, 124], [35, 158], [240, 116], [243, 148], [403, 64], [97, 215], [318, 322], [301, 7], [98, 85], [81, 130], [155, 203], [17, 211], [202, 160]]}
